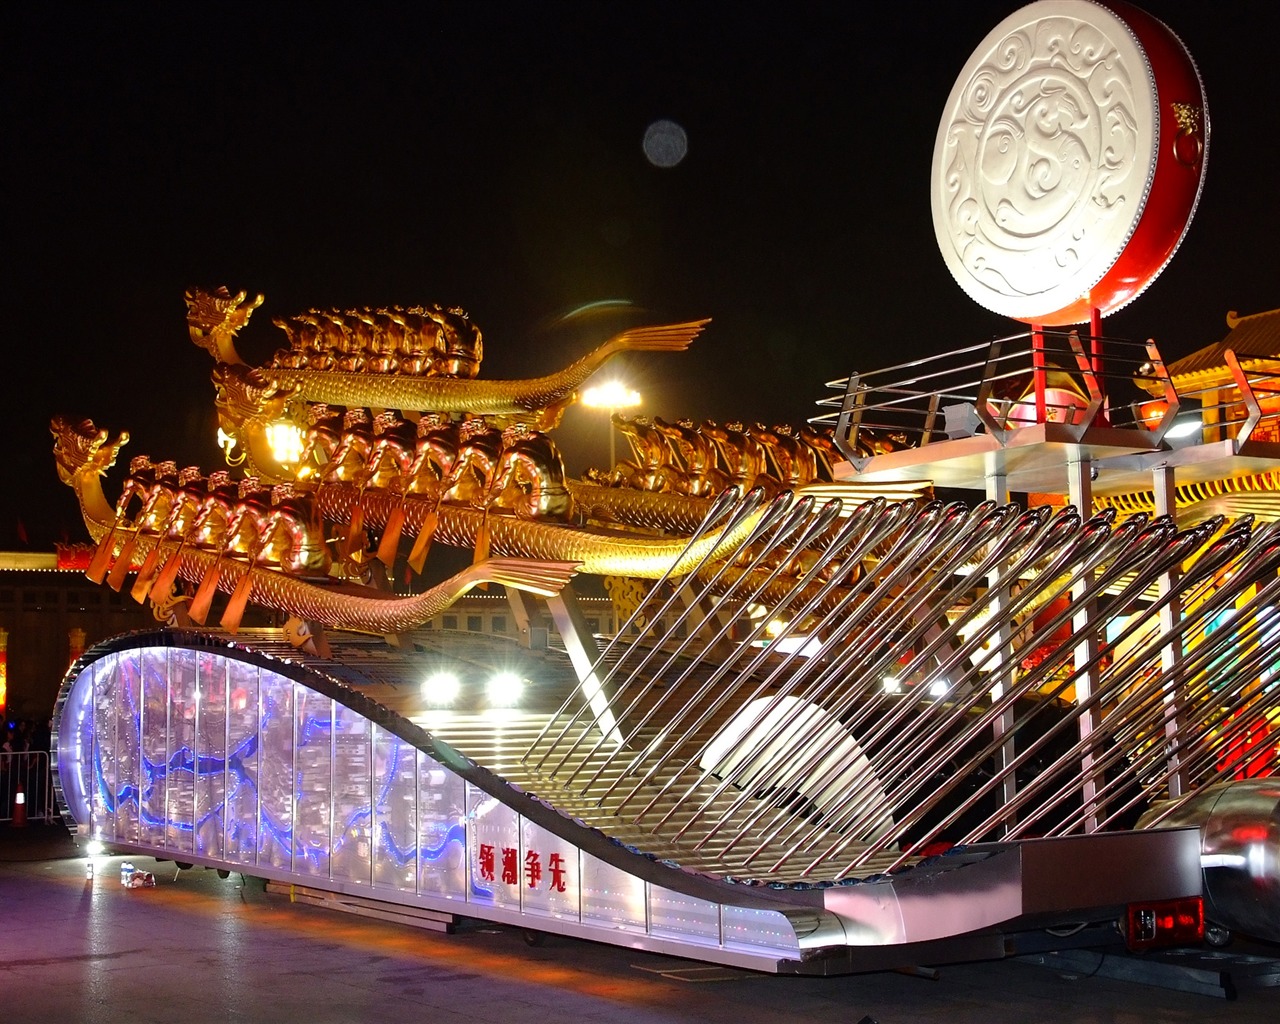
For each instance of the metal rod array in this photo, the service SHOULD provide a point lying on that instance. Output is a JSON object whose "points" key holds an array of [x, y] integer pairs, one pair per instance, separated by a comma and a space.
{"points": [[850, 700]]}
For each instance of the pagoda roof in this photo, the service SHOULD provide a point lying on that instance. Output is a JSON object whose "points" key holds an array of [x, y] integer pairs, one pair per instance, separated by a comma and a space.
{"points": [[1252, 338]]}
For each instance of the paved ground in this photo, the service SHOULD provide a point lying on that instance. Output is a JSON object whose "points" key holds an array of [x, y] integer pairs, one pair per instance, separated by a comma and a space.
{"points": [[75, 950]]}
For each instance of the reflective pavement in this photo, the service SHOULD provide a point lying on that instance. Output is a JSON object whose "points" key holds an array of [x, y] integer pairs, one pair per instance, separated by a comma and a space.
{"points": [[200, 948]]}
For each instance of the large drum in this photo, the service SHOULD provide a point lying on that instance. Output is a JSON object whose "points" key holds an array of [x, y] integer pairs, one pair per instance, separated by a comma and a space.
{"points": [[1069, 161]]}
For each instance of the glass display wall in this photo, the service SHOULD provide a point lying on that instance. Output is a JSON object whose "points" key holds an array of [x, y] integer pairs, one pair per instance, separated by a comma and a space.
{"points": [[194, 754]]}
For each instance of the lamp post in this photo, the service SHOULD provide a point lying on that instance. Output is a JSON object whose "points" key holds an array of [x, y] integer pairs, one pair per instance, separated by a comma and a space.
{"points": [[611, 396]]}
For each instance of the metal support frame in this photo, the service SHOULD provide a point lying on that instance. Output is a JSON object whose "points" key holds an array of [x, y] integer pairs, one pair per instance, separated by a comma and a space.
{"points": [[1080, 492], [523, 613], [999, 597], [1163, 486], [584, 655]]}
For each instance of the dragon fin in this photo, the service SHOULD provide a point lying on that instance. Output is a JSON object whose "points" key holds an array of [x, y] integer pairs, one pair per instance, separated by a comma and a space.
{"points": [[101, 560], [199, 609], [115, 578], [142, 583], [422, 543], [537, 577], [166, 576], [482, 546], [239, 598], [390, 542], [355, 528]]}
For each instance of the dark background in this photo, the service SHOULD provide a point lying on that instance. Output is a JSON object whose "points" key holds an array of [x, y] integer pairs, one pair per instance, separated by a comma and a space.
{"points": [[489, 155]]}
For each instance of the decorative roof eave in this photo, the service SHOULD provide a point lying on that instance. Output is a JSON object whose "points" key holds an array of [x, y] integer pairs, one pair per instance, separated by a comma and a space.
{"points": [[1255, 340]]}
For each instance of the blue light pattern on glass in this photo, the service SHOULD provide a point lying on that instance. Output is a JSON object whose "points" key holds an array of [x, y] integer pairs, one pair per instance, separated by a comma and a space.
{"points": [[198, 753]]}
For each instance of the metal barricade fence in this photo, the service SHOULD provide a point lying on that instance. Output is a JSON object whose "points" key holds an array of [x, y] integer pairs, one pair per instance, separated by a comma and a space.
{"points": [[26, 774]]}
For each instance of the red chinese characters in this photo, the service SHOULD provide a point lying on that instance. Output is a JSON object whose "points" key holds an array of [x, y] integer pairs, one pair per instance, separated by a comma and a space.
{"points": [[533, 870]]}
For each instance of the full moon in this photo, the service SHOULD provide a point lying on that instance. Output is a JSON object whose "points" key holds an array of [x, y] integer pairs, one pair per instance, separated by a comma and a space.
{"points": [[665, 143]]}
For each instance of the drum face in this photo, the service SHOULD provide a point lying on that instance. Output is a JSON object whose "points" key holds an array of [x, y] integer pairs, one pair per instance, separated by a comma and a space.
{"points": [[1068, 161]]}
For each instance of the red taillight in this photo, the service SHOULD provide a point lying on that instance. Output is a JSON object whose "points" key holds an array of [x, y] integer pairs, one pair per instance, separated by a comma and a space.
{"points": [[1249, 833], [1164, 924]]}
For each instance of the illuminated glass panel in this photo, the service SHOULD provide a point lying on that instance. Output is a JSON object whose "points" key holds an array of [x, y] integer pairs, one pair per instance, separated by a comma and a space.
{"points": [[674, 915], [493, 838], [123, 680], [353, 797], [275, 772], [549, 883], [180, 766], [314, 780], [749, 928], [107, 785], [155, 746], [242, 762], [611, 896], [442, 812], [76, 756], [395, 817], [211, 747]]}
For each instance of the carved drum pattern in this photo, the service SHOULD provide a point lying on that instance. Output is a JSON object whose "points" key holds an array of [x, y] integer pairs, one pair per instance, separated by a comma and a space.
{"points": [[1068, 161]]}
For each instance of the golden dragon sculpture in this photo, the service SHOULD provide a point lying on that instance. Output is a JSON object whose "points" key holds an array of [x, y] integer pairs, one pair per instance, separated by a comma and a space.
{"points": [[83, 454], [403, 442], [528, 555], [346, 372]]}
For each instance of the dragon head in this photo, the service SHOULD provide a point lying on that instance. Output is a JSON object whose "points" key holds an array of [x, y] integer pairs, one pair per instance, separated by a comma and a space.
{"points": [[213, 318], [248, 397], [82, 450]]}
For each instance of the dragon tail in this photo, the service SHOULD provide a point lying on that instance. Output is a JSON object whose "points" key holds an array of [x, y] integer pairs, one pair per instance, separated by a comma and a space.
{"points": [[663, 338]]}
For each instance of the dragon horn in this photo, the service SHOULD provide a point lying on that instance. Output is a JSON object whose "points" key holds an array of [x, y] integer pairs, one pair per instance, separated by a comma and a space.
{"points": [[98, 564], [115, 579]]}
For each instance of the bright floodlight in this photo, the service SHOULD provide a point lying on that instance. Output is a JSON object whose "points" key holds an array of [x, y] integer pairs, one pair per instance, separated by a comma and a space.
{"points": [[612, 394], [1188, 427], [441, 688], [285, 439], [892, 684], [938, 688], [93, 848], [504, 690]]}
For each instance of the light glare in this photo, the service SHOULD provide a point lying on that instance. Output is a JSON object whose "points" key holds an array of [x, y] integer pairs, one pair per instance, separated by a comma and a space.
{"points": [[504, 690], [285, 439], [612, 394], [441, 688]]}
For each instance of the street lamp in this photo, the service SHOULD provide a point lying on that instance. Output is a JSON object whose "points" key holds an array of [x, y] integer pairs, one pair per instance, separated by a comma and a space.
{"points": [[611, 396]]}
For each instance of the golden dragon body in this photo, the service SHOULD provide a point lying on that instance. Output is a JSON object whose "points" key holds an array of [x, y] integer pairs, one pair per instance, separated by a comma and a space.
{"points": [[375, 360]]}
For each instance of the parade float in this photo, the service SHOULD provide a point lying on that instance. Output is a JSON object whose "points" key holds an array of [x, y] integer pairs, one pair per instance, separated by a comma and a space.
{"points": [[976, 661]]}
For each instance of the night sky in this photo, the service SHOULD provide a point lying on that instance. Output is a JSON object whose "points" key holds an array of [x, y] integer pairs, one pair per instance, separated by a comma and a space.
{"points": [[489, 155]]}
